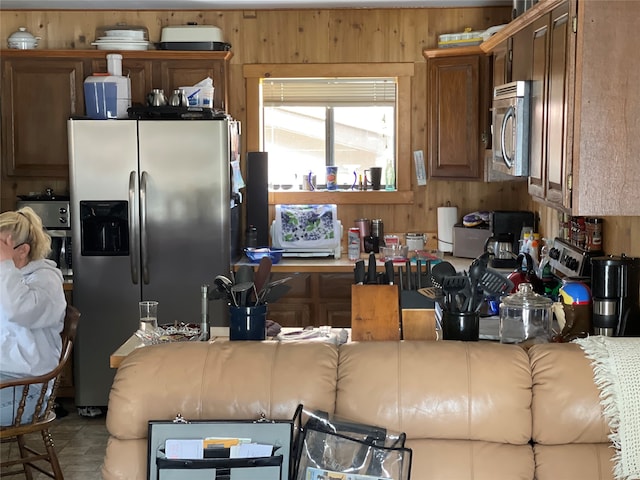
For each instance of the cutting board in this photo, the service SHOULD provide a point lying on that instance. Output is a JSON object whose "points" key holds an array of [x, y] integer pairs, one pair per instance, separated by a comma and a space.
{"points": [[375, 312]]}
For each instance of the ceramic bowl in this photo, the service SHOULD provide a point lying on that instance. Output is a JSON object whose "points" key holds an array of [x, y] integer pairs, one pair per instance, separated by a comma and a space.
{"points": [[256, 253], [22, 40]]}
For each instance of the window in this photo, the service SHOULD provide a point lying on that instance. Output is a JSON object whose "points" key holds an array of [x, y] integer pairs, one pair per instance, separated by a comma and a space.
{"points": [[312, 123], [308, 116]]}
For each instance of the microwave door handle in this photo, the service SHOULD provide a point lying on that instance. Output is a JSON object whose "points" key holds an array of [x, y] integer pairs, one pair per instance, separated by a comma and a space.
{"points": [[134, 244], [143, 229], [508, 161]]}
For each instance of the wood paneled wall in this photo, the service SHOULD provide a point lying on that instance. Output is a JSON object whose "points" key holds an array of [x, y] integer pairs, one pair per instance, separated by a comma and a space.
{"points": [[326, 36]]}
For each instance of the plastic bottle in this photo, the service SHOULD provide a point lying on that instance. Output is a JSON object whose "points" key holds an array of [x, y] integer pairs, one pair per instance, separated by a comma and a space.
{"points": [[544, 269], [390, 176], [525, 243], [534, 247]]}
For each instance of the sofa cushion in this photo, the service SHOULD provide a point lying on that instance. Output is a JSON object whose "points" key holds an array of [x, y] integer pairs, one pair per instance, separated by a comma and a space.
{"points": [[438, 390], [565, 398], [219, 380], [470, 460], [585, 461]]}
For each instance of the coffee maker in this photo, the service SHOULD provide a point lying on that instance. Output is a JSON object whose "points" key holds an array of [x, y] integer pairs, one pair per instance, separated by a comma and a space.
{"points": [[506, 227], [615, 288]]}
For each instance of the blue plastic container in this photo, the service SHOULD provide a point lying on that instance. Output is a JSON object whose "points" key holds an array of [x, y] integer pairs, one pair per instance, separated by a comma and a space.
{"points": [[100, 98]]}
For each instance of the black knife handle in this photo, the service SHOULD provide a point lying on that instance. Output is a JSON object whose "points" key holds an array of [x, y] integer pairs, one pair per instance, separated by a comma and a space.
{"points": [[408, 267], [359, 275], [388, 268], [371, 274]]}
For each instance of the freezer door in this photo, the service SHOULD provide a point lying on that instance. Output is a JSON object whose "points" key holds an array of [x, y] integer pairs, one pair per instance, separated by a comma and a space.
{"points": [[185, 212], [103, 168]]}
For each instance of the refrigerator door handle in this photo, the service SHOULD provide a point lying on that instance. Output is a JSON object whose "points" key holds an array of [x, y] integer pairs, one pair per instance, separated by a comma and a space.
{"points": [[134, 243], [143, 228]]}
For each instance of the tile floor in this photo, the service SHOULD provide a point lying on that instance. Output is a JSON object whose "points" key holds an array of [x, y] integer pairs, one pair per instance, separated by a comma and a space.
{"points": [[80, 442]]}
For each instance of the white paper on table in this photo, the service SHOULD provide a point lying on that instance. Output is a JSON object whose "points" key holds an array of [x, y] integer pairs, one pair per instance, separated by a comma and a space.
{"points": [[247, 450], [184, 448]]}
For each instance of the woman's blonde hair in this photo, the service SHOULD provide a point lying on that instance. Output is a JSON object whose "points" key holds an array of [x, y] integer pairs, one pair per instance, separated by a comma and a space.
{"points": [[25, 226]]}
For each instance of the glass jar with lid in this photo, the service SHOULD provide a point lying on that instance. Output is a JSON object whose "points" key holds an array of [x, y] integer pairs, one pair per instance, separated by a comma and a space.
{"points": [[525, 316]]}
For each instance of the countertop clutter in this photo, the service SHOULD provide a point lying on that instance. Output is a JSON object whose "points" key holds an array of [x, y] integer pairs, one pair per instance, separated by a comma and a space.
{"points": [[342, 264]]}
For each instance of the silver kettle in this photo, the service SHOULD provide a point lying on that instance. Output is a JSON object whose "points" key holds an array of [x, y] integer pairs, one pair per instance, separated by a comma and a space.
{"points": [[156, 98]]}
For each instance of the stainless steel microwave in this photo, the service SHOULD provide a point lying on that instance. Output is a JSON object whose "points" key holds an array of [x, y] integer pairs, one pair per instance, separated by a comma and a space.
{"points": [[510, 126]]}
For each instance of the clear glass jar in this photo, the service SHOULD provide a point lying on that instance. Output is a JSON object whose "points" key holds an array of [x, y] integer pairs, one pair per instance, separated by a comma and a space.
{"points": [[525, 316]]}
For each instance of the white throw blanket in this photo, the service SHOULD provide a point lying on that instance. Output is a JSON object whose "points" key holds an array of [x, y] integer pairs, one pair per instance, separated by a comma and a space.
{"points": [[616, 369]]}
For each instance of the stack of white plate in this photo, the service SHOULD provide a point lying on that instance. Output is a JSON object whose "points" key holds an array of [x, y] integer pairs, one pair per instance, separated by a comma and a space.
{"points": [[122, 40]]}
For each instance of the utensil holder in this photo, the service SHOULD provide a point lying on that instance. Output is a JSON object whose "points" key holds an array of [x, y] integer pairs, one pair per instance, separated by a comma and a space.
{"points": [[248, 323], [463, 326]]}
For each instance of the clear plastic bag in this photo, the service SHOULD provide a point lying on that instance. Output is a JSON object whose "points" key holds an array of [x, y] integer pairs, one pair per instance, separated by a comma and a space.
{"points": [[336, 449]]}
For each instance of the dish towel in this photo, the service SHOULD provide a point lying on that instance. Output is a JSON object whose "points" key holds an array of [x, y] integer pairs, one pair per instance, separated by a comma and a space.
{"points": [[616, 370]]}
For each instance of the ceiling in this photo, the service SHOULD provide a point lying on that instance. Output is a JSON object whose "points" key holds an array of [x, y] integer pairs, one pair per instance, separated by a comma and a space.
{"points": [[237, 4]]}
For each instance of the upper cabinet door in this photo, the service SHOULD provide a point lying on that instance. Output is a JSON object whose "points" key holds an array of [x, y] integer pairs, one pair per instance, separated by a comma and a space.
{"points": [[556, 187], [38, 97], [458, 113], [539, 67], [549, 90], [172, 74]]}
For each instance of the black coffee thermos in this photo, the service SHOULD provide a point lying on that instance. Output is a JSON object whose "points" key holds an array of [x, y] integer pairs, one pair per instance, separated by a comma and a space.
{"points": [[615, 288]]}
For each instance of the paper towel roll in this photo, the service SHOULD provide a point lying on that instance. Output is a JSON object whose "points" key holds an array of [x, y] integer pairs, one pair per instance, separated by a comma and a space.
{"points": [[447, 218]]}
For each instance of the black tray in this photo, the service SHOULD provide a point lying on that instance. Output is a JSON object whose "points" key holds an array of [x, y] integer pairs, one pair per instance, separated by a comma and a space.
{"points": [[141, 112], [214, 46]]}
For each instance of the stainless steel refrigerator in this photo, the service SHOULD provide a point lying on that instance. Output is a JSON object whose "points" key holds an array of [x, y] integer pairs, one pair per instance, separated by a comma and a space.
{"points": [[151, 207]]}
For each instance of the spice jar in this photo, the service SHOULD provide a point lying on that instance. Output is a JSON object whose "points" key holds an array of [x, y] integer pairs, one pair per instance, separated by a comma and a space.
{"points": [[525, 315], [593, 234]]}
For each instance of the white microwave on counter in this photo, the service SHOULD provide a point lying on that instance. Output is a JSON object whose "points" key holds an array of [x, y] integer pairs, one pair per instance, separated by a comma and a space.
{"points": [[510, 128]]}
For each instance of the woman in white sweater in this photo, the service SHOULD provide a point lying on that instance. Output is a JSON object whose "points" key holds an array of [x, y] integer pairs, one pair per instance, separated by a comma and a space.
{"points": [[32, 305]]}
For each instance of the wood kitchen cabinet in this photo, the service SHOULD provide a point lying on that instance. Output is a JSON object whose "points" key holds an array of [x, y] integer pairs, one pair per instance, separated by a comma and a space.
{"points": [[39, 93], [169, 70], [315, 299], [549, 163], [584, 62], [458, 96], [41, 89], [501, 63]]}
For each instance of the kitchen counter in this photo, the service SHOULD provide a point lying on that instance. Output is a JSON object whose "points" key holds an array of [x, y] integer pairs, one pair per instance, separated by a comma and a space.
{"points": [[342, 264]]}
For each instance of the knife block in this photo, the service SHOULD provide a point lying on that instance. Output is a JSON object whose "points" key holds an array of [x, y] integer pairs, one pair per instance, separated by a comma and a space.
{"points": [[375, 312]]}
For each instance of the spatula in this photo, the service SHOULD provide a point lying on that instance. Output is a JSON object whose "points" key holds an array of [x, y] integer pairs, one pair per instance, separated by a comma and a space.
{"points": [[441, 270], [261, 277], [495, 283], [452, 285]]}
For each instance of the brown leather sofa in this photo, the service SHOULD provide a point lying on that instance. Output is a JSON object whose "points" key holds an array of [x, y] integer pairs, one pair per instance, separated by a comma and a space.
{"points": [[471, 411]]}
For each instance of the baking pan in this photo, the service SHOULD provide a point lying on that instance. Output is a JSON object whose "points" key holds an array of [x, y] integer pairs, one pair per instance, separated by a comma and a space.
{"points": [[210, 46]]}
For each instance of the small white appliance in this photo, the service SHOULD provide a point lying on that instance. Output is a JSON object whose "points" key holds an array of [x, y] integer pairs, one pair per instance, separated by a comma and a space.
{"points": [[510, 127], [307, 231]]}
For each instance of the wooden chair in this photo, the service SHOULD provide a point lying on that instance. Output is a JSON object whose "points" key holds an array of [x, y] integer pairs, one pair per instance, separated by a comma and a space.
{"points": [[43, 413]]}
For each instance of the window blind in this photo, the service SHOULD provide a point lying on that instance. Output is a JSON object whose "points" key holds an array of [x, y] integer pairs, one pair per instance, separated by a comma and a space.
{"points": [[328, 91]]}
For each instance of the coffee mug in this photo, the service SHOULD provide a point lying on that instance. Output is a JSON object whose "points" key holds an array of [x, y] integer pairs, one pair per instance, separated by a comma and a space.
{"points": [[373, 177], [309, 182]]}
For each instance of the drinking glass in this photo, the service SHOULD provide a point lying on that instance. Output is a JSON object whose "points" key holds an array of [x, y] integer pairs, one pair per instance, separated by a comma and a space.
{"points": [[148, 316]]}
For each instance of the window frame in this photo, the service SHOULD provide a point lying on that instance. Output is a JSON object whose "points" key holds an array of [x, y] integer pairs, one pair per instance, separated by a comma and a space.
{"points": [[403, 72]]}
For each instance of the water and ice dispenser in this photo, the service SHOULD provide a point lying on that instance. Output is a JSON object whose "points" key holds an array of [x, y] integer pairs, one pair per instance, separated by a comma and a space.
{"points": [[104, 228]]}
